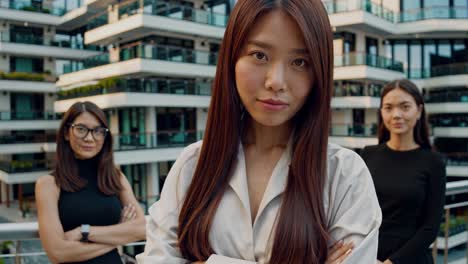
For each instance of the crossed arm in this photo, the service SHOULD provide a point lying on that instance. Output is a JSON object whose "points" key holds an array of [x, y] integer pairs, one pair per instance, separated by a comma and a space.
{"points": [[63, 246]]}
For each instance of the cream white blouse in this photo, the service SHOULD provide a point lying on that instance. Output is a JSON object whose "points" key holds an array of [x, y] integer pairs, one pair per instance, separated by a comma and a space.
{"points": [[350, 203]]}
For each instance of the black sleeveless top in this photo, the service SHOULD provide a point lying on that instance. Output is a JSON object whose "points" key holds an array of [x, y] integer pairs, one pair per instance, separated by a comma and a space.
{"points": [[90, 206]]}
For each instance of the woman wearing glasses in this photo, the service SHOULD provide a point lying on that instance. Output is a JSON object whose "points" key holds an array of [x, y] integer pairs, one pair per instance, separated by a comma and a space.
{"points": [[86, 207]]}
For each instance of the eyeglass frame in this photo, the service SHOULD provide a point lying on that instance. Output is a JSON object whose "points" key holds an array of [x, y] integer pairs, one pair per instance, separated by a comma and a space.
{"points": [[72, 126]]}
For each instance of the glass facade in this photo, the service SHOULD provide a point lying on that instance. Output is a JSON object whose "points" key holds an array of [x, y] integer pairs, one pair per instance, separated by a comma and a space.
{"points": [[430, 57]]}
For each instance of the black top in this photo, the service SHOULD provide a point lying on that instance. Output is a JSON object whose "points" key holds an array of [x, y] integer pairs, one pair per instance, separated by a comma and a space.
{"points": [[90, 206], [410, 186]]}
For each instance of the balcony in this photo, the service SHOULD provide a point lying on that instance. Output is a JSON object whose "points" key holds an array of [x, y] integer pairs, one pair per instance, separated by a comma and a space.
{"points": [[365, 66], [448, 101], [434, 12], [37, 46], [23, 171], [32, 120], [368, 16], [29, 6], [156, 16], [139, 92], [143, 59], [457, 164], [27, 143], [158, 146], [353, 135]]}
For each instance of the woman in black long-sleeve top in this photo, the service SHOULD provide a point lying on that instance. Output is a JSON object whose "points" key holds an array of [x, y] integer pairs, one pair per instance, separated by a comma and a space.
{"points": [[409, 177]]}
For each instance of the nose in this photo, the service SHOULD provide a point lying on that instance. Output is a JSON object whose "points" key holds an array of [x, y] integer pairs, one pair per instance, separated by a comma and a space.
{"points": [[89, 137], [396, 113], [276, 77]]}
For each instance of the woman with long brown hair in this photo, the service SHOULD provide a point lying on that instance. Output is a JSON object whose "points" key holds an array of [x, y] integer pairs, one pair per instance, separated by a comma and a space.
{"points": [[409, 177], [86, 207], [265, 186]]}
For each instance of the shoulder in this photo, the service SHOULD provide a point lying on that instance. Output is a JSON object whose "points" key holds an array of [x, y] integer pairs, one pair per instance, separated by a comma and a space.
{"points": [[345, 165], [182, 171], [433, 159], [46, 185]]}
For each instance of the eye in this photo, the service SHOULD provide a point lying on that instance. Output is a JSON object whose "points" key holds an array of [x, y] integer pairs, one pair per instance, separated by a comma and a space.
{"points": [[81, 129], [99, 130], [302, 63], [259, 55]]}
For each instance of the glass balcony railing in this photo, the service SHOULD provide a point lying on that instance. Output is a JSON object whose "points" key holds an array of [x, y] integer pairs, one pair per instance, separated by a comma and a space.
{"points": [[456, 159], [30, 115], [353, 130], [160, 139], [147, 51], [437, 71], [99, 60], [39, 40], [340, 6], [378, 10], [357, 90], [26, 138], [162, 8], [18, 166], [163, 86], [451, 120], [168, 53], [434, 12], [353, 59], [448, 97], [31, 6]]}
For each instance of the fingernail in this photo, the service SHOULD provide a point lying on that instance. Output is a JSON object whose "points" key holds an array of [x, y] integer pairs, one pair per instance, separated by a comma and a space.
{"points": [[348, 251]]}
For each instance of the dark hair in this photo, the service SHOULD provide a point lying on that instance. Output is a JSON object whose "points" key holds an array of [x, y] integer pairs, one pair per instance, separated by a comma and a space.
{"points": [[301, 232], [66, 169], [421, 129]]}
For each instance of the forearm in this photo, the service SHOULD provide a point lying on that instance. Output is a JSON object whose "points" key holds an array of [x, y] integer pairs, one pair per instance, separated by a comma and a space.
{"points": [[119, 234], [75, 251]]}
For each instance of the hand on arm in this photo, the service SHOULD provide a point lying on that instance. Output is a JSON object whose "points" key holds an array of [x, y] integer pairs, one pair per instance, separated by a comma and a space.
{"points": [[338, 252], [55, 242], [132, 225]]}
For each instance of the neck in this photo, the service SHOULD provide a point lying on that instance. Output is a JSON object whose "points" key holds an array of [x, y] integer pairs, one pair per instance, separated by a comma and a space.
{"points": [[402, 142], [266, 138]]}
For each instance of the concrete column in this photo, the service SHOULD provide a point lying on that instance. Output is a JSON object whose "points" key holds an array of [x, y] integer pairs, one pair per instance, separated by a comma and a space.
{"points": [[5, 104], [153, 180], [113, 13], [114, 126], [202, 115], [5, 30], [49, 66], [151, 129], [114, 54], [203, 48], [49, 99], [49, 34], [4, 63], [360, 42]]}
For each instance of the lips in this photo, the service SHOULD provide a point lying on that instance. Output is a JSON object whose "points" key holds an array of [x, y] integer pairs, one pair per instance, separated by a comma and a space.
{"points": [[272, 104], [87, 148]]}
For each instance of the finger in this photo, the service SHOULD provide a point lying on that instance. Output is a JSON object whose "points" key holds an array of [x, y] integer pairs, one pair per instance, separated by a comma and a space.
{"points": [[344, 256], [336, 245], [333, 256]]}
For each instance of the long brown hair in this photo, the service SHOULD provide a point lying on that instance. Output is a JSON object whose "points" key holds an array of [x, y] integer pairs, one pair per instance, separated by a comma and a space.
{"points": [[301, 231], [66, 169], [421, 129]]}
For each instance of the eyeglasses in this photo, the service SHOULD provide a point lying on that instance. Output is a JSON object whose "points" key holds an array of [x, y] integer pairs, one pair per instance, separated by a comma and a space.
{"points": [[81, 131]]}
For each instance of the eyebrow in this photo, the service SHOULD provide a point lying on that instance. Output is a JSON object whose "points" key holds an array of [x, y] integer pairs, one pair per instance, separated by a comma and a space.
{"points": [[401, 103], [270, 47]]}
